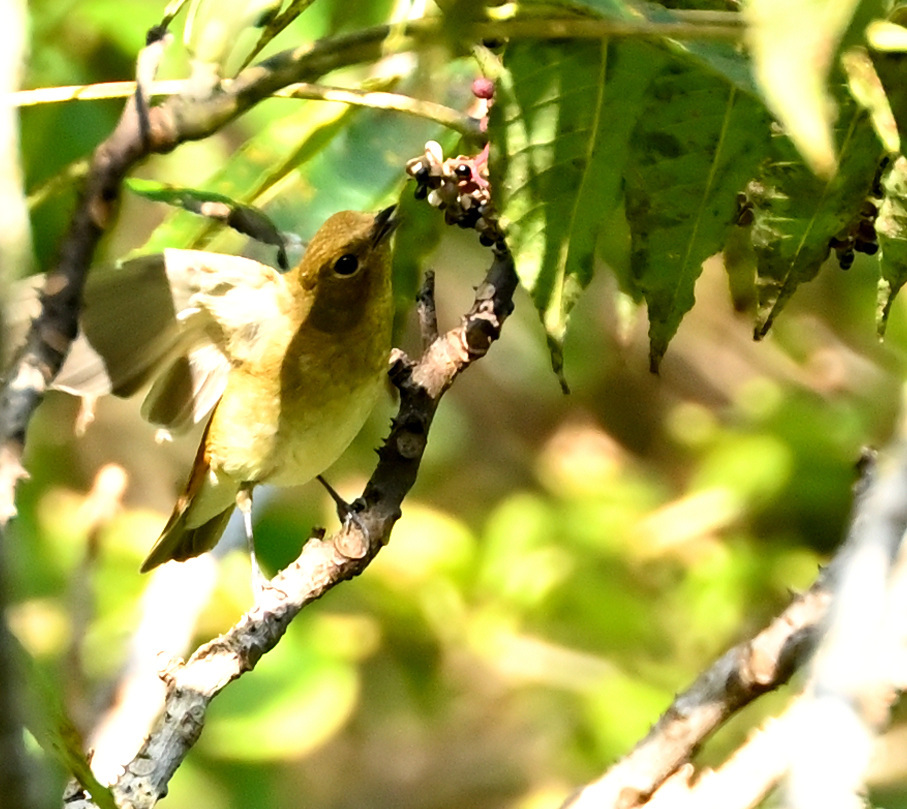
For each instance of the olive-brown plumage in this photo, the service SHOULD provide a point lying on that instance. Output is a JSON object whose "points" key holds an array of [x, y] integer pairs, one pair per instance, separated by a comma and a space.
{"points": [[292, 365]]}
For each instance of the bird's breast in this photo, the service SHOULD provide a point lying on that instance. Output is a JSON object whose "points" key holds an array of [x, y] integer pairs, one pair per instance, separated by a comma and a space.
{"points": [[286, 423]]}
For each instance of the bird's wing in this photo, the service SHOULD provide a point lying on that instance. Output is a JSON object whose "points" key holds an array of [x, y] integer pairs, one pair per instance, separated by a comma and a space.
{"points": [[181, 318]]}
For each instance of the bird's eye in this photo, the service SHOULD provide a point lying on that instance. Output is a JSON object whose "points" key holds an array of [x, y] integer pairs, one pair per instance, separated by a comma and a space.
{"points": [[347, 264]]}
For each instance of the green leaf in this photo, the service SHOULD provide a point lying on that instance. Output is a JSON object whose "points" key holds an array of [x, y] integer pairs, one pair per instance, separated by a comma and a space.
{"points": [[890, 62], [797, 213], [722, 59], [48, 721], [868, 91], [615, 9], [725, 59], [688, 161], [559, 129], [891, 228], [242, 218], [275, 26], [252, 173]]}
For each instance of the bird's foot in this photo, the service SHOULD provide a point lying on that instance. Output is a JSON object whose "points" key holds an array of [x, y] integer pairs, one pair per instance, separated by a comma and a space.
{"points": [[347, 512]]}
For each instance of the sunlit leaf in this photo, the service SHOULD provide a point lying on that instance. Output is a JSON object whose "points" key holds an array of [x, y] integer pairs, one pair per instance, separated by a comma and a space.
{"points": [[688, 161], [868, 91], [560, 128], [793, 43], [275, 25], [215, 30], [252, 172], [889, 56], [797, 213]]}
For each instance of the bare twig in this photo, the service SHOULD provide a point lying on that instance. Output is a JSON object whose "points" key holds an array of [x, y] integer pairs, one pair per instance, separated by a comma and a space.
{"points": [[381, 100], [859, 666], [824, 738], [733, 681], [743, 780], [425, 309]]}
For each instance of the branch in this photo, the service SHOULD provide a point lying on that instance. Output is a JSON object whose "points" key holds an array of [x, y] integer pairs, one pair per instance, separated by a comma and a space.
{"points": [[745, 779], [858, 669], [853, 618], [739, 676], [323, 563], [418, 108]]}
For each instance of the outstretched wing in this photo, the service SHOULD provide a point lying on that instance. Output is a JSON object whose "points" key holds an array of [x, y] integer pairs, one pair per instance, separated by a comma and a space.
{"points": [[181, 319]]}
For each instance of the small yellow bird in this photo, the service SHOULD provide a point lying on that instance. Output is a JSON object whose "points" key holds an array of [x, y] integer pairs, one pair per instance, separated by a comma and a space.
{"points": [[289, 366]]}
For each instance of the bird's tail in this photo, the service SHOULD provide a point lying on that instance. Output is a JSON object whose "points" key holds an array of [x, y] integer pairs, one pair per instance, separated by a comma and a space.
{"points": [[199, 516], [179, 542]]}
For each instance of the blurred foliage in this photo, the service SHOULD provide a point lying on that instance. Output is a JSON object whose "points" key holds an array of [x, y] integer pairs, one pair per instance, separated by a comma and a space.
{"points": [[564, 564]]}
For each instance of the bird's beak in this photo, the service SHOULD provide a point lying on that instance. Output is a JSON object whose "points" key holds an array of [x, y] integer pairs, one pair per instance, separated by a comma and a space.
{"points": [[385, 224]]}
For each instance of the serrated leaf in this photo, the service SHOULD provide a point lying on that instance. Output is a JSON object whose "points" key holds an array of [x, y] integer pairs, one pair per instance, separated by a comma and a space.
{"points": [[559, 130], [797, 213], [688, 161], [724, 59], [891, 229]]}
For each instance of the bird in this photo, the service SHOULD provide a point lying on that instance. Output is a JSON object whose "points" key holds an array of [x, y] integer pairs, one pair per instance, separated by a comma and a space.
{"points": [[285, 368]]}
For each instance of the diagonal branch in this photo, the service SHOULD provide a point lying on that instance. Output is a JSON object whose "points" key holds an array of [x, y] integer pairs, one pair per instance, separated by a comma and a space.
{"points": [[323, 563], [852, 618], [740, 675]]}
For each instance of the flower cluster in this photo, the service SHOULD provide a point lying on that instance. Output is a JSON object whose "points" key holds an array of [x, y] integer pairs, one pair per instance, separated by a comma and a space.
{"points": [[459, 187]]}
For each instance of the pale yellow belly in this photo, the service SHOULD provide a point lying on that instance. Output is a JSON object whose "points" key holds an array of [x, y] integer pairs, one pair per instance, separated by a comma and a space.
{"points": [[294, 441], [309, 442]]}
